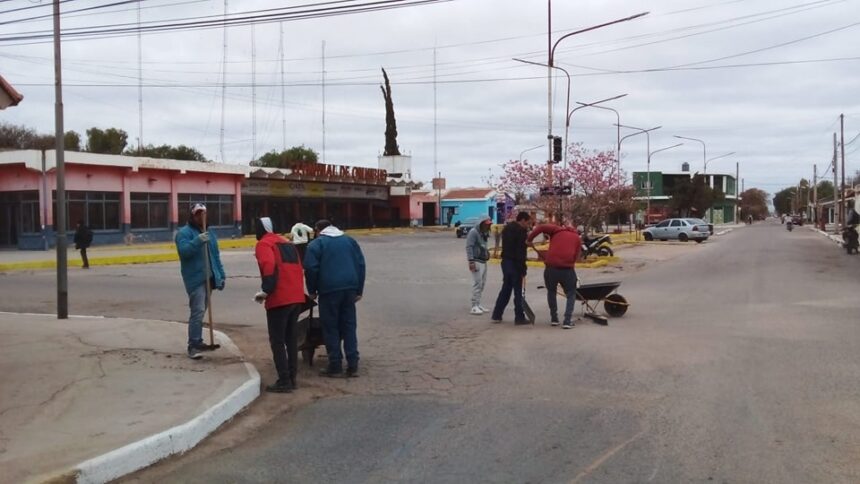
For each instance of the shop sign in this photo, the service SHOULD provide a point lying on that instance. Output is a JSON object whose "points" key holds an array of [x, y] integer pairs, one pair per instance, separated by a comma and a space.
{"points": [[301, 189], [355, 173]]}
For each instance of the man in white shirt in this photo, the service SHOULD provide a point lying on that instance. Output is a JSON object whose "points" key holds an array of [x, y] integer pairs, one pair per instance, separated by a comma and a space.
{"points": [[301, 235]]}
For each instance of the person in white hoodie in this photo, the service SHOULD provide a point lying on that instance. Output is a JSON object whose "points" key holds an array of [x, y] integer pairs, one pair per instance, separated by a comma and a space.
{"points": [[301, 235]]}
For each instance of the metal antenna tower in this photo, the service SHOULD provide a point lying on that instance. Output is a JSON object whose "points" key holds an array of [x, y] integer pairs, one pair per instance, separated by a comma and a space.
{"points": [[223, 84], [283, 95], [323, 101], [253, 93]]}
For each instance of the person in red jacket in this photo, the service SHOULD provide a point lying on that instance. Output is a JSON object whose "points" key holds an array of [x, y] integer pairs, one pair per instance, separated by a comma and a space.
{"points": [[560, 267], [284, 295]]}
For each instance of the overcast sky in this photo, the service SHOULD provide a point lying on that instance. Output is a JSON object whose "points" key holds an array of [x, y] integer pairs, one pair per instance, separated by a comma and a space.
{"points": [[755, 77]]}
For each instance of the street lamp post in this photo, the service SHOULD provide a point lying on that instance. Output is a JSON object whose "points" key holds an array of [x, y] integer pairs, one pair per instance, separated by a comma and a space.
{"points": [[649, 169], [716, 158], [596, 104], [648, 149], [704, 150], [527, 150]]}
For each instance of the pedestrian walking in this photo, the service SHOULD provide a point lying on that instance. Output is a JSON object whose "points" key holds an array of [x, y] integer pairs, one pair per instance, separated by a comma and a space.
{"points": [[514, 268], [560, 267], [192, 241], [83, 239], [334, 272], [478, 253], [301, 235], [283, 293]]}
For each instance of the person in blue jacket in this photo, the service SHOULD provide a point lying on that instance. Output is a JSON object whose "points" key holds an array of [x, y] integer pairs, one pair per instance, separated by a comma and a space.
{"points": [[191, 243], [334, 272]]}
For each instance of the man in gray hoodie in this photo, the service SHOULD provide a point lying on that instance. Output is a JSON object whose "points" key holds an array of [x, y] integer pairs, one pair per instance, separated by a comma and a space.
{"points": [[478, 254]]}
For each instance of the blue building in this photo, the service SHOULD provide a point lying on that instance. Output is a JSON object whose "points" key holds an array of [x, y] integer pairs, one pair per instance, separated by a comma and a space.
{"points": [[460, 204]]}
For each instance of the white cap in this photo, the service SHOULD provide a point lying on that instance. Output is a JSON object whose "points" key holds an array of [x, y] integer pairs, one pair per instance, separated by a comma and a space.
{"points": [[196, 207]]}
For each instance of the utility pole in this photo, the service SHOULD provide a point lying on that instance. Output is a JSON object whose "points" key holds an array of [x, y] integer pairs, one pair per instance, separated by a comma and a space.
{"points": [[842, 188], [283, 93], [435, 160], [815, 194], [60, 216], [139, 84], [223, 85], [549, 89], [835, 183], [253, 93], [737, 200]]}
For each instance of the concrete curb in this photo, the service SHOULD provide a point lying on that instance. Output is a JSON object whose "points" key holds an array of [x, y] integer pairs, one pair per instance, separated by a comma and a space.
{"points": [[834, 238], [723, 232], [176, 440]]}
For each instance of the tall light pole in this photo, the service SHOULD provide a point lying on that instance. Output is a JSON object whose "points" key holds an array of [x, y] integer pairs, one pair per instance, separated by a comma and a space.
{"points": [[549, 134], [648, 149], [60, 216], [649, 170], [596, 104], [704, 150], [527, 150], [716, 158]]}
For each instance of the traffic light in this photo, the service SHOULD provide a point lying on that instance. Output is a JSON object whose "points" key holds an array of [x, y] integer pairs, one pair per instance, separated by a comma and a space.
{"points": [[556, 149]]}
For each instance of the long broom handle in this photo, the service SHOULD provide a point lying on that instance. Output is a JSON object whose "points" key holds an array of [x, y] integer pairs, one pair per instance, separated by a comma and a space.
{"points": [[208, 288]]}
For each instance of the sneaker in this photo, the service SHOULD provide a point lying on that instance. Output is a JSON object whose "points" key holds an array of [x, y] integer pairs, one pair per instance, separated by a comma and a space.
{"points": [[554, 322], [476, 311], [331, 372], [280, 387], [496, 320], [567, 325], [482, 308], [194, 353], [205, 347], [521, 322], [352, 372]]}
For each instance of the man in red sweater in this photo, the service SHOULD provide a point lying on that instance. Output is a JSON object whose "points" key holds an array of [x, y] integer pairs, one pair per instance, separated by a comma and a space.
{"points": [[283, 292], [560, 261]]}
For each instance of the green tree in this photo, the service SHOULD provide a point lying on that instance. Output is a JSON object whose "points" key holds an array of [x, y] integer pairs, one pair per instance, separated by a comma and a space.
{"points": [[296, 155], [111, 141], [783, 200], [15, 137], [753, 202], [825, 190], [72, 141], [693, 197], [180, 152]]}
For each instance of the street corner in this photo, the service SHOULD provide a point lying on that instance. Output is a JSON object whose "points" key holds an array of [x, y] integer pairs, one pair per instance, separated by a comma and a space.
{"points": [[91, 399]]}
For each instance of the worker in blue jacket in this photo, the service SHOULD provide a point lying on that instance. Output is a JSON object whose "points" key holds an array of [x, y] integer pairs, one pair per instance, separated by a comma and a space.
{"points": [[334, 272], [191, 242]]}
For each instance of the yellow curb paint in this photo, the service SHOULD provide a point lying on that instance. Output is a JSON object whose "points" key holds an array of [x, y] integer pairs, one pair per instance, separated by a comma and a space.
{"points": [[590, 264], [97, 261]]}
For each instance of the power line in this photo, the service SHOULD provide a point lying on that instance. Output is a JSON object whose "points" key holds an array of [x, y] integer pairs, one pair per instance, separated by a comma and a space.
{"points": [[19, 9]]}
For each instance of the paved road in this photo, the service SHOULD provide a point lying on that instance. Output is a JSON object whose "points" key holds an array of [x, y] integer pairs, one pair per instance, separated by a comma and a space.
{"points": [[736, 363]]}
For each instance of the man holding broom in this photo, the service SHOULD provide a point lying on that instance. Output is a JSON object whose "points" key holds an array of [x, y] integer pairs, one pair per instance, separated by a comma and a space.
{"points": [[195, 245]]}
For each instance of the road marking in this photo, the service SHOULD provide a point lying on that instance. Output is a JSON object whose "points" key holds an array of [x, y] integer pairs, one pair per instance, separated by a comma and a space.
{"points": [[604, 457]]}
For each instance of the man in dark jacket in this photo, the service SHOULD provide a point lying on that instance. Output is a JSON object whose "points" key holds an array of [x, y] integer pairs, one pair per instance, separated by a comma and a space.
{"points": [[560, 261], [513, 268], [334, 271], [283, 293], [83, 239]]}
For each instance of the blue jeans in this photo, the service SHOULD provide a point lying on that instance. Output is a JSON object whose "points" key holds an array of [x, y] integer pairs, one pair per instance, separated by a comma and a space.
{"points": [[197, 305], [552, 278], [339, 323], [512, 282]]}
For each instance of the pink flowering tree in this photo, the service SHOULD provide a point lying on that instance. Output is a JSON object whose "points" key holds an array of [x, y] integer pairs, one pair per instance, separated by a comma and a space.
{"points": [[598, 187]]}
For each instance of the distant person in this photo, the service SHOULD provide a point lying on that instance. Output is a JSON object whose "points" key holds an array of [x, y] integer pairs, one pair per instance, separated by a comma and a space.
{"points": [[335, 272], [750, 220], [283, 293], [560, 267], [301, 235], [83, 239], [191, 243], [514, 252], [478, 253]]}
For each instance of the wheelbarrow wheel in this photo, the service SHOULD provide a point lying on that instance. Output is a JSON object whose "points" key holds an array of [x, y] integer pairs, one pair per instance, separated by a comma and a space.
{"points": [[615, 305]]}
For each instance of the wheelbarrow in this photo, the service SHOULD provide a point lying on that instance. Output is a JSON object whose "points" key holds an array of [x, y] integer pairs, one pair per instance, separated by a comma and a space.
{"points": [[591, 295]]}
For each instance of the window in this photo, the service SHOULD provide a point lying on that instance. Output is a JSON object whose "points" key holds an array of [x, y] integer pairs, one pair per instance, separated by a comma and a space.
{"points": [[98, 210], [149, 210], [664, 223], [219, 208]]}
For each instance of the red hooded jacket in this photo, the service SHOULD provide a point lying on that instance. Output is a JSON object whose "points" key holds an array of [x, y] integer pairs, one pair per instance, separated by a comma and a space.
{"points": [[564, 245], [281, 270]]}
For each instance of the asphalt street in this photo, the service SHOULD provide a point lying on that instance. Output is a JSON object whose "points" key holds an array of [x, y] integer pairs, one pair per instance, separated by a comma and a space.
{"points": [[737, 362]]}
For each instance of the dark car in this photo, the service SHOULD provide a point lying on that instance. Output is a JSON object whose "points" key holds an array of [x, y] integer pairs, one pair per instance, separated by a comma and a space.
{"points": [[797, 220], [466, 226]]}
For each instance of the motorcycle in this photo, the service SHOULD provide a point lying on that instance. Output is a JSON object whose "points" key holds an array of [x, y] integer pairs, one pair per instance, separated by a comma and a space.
{"points": [[597, 245], [850, 241], [788, 225]]}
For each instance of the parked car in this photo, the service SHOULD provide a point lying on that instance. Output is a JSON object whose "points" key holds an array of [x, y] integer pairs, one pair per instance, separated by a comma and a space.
{"points": [[466, 226], [797, 220], [682, 229]]}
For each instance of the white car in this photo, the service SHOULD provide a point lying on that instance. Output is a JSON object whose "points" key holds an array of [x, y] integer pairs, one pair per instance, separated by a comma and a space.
{"points": [[682, 229]]}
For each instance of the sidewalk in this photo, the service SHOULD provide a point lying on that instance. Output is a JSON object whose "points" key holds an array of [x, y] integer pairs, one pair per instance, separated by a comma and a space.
{"points": [[92, 399]]}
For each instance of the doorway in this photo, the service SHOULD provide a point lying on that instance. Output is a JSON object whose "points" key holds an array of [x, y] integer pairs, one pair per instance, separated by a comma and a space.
{"points": [[428, 216]]}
